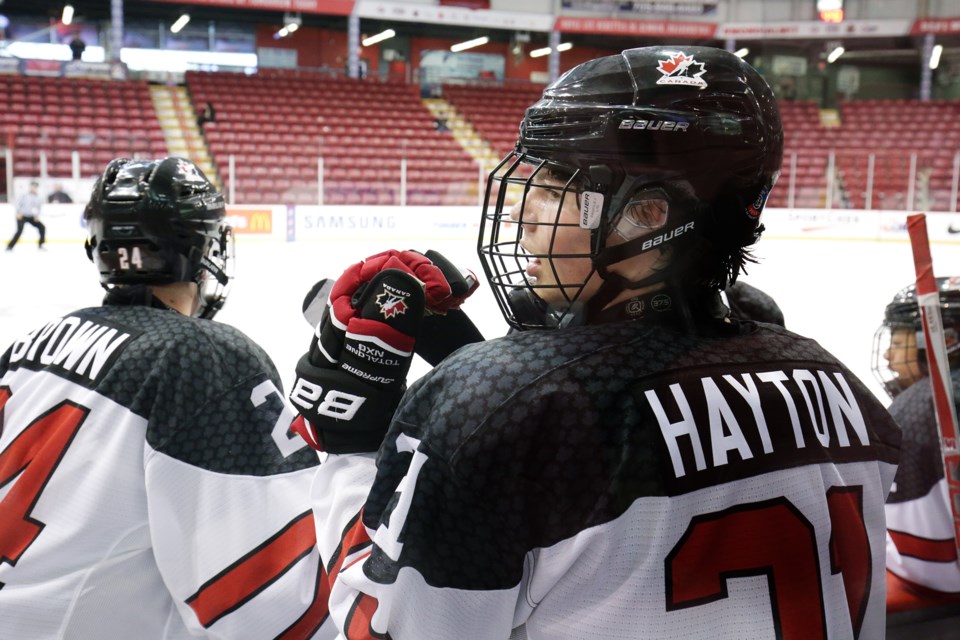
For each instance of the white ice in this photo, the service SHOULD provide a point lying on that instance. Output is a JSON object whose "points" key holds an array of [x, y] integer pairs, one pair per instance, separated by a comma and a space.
{"points": [[833, 291]]}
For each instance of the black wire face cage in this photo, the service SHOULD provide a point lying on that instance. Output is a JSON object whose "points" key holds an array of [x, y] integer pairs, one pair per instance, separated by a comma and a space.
{"points": [[896, 361], [503, 255], [899, 355], [216, 272]]}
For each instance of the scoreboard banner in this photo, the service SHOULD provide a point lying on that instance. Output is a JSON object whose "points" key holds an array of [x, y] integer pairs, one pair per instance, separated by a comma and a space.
{"points": [[431, 14], [937, 26], [476, 13], [624, 27]]}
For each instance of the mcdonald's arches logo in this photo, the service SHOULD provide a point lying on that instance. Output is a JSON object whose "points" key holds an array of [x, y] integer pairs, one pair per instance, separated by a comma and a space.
{"points": [[258, 221]]}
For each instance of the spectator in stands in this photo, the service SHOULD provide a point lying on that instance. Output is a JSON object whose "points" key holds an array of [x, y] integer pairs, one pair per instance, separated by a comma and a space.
{"points": [[788, 89], [440, 124], [77, 46], [58, 195], [28, 212], [207, 114]]}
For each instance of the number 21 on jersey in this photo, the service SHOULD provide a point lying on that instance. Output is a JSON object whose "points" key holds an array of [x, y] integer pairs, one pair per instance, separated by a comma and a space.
{"points": [[773, 538], [770, 538]]}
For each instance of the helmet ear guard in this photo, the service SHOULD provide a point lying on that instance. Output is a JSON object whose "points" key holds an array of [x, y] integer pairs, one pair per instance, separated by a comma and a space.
{"points": [[644, 214]]}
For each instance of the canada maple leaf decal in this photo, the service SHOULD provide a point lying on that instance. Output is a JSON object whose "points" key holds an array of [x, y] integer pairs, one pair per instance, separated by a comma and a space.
{"points": [[680, 64], [680, 68], [391, 305]]}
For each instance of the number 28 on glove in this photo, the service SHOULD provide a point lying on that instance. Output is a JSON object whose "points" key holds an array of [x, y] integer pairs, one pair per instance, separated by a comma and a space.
{"points": [[350, 381]]}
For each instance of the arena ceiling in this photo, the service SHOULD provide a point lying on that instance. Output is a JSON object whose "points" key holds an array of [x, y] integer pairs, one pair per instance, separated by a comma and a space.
{"points": [[904, 50]]}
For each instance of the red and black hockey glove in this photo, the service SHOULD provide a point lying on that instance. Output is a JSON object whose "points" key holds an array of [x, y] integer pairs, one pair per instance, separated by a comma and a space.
{"points": [[443, 333], [448, 329], [350, 381]]}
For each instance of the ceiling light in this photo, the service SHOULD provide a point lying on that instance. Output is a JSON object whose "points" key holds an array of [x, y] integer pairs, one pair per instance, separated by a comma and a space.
{"points": [[741, 53], [935, 56], [180, 23], [291, 22], [67, 16], [470, 44], [380, 37], [835, 55], [282, 33], [545, 51]]}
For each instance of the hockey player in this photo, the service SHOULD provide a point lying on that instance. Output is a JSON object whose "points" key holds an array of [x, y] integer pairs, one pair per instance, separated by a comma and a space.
{"points": [[633, 462], [148, 485], [922, 565]]}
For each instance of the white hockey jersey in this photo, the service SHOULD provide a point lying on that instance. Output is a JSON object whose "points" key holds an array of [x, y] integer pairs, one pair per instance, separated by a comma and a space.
{"points": [[921, 550], [618, 481], [149, 487]]}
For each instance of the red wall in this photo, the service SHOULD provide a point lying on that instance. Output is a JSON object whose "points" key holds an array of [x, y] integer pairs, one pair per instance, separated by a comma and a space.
{"points": [[328, 48], [316, 47]]}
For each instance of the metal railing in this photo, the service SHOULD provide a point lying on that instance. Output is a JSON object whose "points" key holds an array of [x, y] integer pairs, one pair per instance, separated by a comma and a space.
{"points": [[892, 180], [889, 180]]}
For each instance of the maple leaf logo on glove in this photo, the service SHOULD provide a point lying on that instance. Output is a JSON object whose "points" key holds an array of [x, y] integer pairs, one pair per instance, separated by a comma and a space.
{"points": [[391, 303], [681, 69]]}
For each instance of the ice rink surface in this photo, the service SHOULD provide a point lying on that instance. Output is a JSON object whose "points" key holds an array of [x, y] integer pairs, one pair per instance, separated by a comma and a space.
{"points": [[831, 290]]}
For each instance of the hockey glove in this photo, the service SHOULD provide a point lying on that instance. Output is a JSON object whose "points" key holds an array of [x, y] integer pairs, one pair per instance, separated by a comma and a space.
{"points": [[452, 329], [462, 283], [443, 333], [352, 378]]}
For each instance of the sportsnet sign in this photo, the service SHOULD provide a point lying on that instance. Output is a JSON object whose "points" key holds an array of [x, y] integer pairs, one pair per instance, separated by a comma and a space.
{"points": [[812, 29]]}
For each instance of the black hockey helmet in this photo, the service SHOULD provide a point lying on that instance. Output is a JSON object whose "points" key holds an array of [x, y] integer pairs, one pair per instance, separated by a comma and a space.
{"points": [[696, 128], [158, 222], [899, 349]]}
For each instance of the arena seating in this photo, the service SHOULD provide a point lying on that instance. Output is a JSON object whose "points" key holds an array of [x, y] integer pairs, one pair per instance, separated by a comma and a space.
{"points": [[803, 133], [494, 112], [100, 119], [275, 124], [864, 127], [892, 131]]}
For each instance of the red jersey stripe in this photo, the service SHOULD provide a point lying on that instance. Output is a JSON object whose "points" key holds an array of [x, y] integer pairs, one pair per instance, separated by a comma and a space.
{"points": [[931, 550], [254, 572], [306, 626]]}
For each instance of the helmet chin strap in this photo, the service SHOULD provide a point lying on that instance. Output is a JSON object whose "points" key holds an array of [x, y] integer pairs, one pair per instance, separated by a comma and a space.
{"points": [[688, 307], [614, 285]]}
